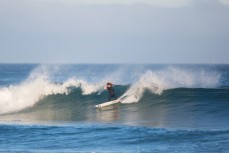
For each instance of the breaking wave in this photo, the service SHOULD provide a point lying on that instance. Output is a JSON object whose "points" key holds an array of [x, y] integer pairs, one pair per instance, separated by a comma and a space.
{"points": [[40, 84]]}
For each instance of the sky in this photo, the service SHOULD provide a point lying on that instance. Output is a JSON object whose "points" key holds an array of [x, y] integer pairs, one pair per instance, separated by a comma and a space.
{"points": [[114, 31]]}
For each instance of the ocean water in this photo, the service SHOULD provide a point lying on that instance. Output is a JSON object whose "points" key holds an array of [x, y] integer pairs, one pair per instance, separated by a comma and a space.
{"points": [[164, 108]]}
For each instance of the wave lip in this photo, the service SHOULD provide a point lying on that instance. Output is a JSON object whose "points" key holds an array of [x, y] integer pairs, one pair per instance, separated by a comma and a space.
{"points": [[28, 93]]}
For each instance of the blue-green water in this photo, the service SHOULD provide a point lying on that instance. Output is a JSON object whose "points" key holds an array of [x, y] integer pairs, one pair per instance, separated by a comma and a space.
{"points": [[165, 108]]}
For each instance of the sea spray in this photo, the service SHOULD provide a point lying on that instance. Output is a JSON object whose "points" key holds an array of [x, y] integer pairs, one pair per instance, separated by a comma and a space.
{"points": [[37, 86], [169, 78]]}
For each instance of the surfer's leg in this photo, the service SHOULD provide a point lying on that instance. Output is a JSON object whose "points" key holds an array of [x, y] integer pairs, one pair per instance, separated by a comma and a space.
{"points": [[109, 97], [114, 96]]}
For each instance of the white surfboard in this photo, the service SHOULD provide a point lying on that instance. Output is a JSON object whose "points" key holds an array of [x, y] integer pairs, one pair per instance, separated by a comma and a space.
{"points": [[108, 103]]}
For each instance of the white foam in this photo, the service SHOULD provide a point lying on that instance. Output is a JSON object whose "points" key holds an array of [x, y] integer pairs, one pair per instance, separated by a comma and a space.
{"points": [[171, 77], [87, 88], [37, 86]]}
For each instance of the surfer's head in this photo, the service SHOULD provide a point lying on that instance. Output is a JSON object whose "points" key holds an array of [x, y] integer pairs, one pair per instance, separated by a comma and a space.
{"points": [[109, 84]]}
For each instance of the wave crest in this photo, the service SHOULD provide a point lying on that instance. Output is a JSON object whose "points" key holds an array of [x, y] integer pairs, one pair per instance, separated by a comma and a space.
{"points": [[172, 77], [37, 86]]}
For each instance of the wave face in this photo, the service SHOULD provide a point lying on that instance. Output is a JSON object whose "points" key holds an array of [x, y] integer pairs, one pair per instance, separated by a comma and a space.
{"points": [[154, 95]]}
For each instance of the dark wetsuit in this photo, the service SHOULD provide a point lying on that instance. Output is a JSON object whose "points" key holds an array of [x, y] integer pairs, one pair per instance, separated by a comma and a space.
{"points": [[111, 93]]}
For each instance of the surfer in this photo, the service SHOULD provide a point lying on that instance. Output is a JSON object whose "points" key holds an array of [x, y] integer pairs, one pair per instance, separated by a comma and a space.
{"points": [[110, 90]]}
